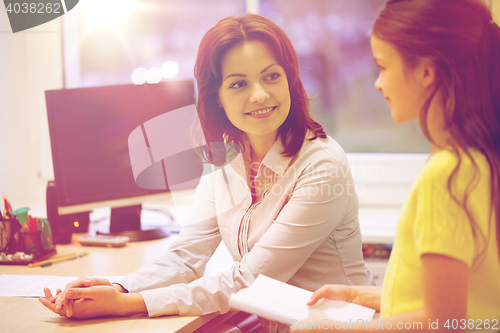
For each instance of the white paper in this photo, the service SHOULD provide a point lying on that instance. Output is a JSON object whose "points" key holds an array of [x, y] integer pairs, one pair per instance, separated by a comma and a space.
{"points": [[32, 285], [282, 302]]}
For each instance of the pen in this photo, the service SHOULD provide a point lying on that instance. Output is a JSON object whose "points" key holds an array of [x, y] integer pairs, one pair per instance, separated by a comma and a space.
{"points": [[49, 262], [8, 209]]}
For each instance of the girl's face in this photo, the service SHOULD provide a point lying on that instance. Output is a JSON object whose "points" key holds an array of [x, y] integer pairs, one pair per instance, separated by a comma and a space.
{"points": [[402, 86], [254, 91]]}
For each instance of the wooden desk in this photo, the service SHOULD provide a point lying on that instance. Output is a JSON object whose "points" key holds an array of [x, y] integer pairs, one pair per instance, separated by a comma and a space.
{"points": [[29, 315]]}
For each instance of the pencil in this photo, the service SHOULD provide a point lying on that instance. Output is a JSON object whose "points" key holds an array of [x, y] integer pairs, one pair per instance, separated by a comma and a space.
{"points": [[57, 259]]}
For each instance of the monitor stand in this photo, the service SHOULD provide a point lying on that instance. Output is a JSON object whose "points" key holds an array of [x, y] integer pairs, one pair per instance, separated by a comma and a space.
{"points": [[126, 221]]}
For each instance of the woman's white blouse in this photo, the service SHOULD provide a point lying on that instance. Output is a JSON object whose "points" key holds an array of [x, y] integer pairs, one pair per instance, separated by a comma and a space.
{"points": [[302, 229]]}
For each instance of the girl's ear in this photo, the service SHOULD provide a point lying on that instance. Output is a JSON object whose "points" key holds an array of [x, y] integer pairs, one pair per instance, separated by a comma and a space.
{"points": [[428, 73]]}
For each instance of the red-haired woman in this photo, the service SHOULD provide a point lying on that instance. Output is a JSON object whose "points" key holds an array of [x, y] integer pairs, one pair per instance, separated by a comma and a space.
{"points": [[285, 207], [439, 63]]}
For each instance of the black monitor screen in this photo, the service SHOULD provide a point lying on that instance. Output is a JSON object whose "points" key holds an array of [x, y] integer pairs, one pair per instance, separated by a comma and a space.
{"points": [[89, 130]]}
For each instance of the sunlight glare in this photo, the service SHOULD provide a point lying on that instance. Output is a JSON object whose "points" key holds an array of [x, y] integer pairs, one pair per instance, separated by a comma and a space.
{"points": [[154, 75], [169, 69], [108, 13]]}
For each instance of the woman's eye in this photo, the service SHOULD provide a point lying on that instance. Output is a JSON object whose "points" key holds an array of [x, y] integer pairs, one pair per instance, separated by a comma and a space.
{"points": [[273, 76], [237, 85]]}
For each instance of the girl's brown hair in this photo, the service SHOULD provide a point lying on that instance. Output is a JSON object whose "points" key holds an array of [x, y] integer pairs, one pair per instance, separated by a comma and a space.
{"points": [[462, 40]]}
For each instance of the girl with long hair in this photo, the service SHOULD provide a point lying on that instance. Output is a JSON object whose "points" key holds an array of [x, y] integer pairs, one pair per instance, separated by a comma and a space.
{"points": [[439, 62]]}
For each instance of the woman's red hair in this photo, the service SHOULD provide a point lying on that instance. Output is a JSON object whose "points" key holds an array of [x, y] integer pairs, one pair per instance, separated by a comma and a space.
{"points": [[235, 30]]}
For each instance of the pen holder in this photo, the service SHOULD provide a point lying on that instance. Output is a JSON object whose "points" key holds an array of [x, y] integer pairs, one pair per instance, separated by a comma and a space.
{"points": [[21, 247]]}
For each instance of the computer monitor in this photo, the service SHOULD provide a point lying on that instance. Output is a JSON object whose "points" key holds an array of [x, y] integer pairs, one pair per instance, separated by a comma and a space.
{"points": [[89, 130]]}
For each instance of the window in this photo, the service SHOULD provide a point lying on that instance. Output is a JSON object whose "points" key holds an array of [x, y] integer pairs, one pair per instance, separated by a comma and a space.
{"points": [[332, 39], [107, 40], [121, 41]]}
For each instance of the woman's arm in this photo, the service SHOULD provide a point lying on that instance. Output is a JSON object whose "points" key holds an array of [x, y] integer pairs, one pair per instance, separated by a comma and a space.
{"points": [[444, 283], [182, 263], [305, 221]]}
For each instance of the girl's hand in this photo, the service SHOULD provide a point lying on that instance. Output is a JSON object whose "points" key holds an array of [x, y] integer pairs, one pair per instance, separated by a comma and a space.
{"points": [[335, 292], [368, 296]]}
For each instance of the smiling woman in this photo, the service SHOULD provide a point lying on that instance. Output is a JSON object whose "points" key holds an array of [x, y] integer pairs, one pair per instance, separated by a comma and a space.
{"points": [[254, 92], [285, 207], [233, 46]]}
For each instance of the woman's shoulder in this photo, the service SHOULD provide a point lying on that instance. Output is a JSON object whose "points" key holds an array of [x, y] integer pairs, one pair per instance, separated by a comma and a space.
{"points": [[322, 149]]}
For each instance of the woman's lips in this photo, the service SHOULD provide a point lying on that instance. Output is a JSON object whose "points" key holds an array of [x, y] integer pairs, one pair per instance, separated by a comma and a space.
{"points": [[261, 113]]}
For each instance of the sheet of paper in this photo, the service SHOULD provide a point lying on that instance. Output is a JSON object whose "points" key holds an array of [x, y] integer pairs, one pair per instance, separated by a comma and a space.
{"points": [[282, 302], [32, 285], [344, 311]]}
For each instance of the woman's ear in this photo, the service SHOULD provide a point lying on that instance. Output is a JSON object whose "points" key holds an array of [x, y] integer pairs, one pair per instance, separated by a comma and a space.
{"points": [[428, 72], [218, 101]]}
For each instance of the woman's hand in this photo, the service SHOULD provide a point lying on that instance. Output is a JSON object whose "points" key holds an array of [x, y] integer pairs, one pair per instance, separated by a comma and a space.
{"points": [[97, 301], [86, 307], [83, 282], [48, 295], [64, 306], [368, 296]]}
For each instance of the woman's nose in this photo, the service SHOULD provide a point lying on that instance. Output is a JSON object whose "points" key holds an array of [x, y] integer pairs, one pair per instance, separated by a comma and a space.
{"points": [[259, 94], [378, 84]]}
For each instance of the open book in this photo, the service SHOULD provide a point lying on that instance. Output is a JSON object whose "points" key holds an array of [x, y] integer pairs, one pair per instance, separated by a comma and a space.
{"points": [[284, 303]]}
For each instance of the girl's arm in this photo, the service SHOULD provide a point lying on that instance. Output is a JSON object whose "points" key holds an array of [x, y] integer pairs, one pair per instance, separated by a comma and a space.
{"points": [[444, 283], [368, 296]]}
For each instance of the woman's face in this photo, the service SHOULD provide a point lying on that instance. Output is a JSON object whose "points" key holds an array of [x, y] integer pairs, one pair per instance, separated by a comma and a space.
{"points": [[254, 91], [399, 84]]}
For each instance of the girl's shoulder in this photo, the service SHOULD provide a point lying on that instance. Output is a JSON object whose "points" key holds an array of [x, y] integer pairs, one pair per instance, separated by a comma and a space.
{"points": [[445, 163]]}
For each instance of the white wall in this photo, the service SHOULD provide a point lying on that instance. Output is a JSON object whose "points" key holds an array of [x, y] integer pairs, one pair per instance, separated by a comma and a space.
{"points": [[30, 63]]}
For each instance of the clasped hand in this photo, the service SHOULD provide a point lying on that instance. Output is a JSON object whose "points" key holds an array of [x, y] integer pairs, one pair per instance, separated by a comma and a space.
{"points": [[85, 298]]}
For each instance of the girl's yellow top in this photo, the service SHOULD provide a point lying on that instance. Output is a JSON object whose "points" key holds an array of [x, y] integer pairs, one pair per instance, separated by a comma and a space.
{"points": [[432, 222]]}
